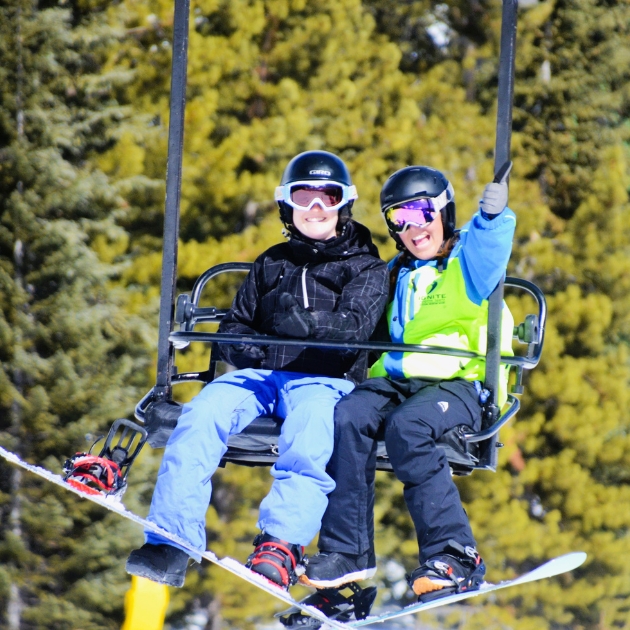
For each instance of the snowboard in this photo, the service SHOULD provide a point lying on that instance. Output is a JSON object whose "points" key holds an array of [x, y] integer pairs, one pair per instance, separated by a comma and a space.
{"points": [[558, 565], [228, 564]]}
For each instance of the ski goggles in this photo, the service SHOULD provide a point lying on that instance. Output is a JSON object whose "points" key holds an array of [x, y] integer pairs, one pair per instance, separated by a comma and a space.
{"points": [[304, 195], [418, 212]]}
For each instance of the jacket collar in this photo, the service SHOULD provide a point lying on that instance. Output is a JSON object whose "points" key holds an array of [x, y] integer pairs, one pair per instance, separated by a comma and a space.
{"points": [[355, 239]]}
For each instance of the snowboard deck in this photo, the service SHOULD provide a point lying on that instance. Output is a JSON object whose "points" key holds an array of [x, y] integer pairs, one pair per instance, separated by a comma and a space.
{"points": [[229, 564], [557, 566]]}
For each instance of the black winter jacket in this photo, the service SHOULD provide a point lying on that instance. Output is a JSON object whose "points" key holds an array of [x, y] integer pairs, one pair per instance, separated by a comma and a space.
{"points": [[346, 286]]}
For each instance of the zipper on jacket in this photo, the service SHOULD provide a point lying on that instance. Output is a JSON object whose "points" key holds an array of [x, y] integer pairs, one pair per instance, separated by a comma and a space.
{"points": [[411, 306], [304, 293]]}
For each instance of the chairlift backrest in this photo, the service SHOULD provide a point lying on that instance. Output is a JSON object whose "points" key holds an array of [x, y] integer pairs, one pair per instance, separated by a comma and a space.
{"points": [[258, 444]]}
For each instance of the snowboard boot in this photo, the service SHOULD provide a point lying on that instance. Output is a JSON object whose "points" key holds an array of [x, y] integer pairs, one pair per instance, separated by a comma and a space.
{"points": [[455, 570], [278, 560], [163, 564], [330, 569]]}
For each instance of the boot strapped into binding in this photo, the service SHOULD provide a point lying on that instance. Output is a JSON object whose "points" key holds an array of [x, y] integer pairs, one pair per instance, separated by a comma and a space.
{"points": [[277, 560], [455, 570]]}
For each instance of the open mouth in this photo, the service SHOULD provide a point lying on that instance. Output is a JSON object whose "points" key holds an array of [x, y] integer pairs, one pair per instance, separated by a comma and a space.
{"points": [[419, 240]]}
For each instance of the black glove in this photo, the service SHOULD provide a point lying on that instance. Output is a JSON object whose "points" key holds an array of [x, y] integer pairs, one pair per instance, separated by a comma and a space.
{"points": [[243, 355], [292, 320]]}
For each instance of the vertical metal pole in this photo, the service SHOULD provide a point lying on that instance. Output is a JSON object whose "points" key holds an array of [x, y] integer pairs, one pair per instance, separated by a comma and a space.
{"points": [[501, 155], [173, 191]]}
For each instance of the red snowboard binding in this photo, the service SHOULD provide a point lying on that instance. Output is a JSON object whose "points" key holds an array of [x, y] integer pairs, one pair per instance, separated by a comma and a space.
{"points": [[106, 473]]}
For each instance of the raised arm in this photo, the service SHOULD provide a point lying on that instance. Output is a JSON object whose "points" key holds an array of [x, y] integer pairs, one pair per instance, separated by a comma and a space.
{"points": [[486, 245], [486, 242]]}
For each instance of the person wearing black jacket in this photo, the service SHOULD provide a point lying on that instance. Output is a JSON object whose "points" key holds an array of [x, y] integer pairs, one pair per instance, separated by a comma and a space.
{"points": [[326, 282]]}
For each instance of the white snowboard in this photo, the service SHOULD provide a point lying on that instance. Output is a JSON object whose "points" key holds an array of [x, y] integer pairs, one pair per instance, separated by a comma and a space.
{"points": [[559, 565], [226, 563]]}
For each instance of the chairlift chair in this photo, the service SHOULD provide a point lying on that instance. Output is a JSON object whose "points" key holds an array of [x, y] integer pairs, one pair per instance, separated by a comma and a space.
{"points": [[257, 445]]}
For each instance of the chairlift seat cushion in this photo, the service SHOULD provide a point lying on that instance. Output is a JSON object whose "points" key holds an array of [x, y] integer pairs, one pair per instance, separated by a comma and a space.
{"points": [[257, 444]]}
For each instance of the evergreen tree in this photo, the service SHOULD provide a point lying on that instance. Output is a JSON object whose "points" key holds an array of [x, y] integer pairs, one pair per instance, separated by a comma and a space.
{"points": [[72, 358], [572, 97], [383, 85], [563, 482]]}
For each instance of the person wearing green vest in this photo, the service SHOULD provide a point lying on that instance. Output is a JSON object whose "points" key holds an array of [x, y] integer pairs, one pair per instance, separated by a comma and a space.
{"points": [[440, 284]]}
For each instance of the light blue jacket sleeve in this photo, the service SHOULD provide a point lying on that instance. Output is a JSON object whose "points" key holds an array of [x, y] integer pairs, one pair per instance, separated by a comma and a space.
{"points": [[483, 250]]}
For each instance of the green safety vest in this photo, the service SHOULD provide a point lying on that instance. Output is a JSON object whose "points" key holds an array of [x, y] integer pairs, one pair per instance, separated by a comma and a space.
{"points": [[434, 310]]}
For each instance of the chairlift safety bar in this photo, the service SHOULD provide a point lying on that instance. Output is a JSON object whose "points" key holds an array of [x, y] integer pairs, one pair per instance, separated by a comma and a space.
{"points": [[383, 346]]}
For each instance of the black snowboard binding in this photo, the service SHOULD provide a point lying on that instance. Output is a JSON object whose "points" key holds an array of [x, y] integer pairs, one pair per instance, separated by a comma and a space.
{"points": [[106, 473], [333, 604]]}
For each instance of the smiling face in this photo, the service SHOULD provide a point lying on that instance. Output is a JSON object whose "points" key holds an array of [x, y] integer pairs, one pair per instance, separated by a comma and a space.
{"points": [[424, 242], [316, 223]]}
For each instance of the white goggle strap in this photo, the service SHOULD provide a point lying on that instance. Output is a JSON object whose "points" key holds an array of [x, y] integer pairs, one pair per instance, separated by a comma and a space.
{"points": [[442, 200]]}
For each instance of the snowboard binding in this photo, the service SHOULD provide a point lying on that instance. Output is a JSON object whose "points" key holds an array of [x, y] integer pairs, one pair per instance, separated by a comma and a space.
{"points": [[106, 473], [333, 604]]}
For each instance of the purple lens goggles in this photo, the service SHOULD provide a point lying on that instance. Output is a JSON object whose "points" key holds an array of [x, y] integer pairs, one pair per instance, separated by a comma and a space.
{"points": [[419, 212]]}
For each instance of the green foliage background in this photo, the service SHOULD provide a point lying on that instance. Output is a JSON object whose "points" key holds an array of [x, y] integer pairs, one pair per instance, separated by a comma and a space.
{"points": [[83, 132]]}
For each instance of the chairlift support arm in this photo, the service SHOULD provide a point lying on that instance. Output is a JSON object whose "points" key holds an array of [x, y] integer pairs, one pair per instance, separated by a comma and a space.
{"points": [[501, 156], [162, 388]]}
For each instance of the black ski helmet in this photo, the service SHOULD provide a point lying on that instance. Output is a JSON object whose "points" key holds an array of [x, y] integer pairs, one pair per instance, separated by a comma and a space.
{"points": [[415, 182], [316, 166]]}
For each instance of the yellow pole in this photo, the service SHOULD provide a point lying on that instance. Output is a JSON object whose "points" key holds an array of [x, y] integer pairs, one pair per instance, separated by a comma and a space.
{"points": [[145, 605]]}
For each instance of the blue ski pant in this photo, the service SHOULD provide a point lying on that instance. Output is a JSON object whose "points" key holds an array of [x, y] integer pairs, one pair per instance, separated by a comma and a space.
{"points": [[294, 507]]}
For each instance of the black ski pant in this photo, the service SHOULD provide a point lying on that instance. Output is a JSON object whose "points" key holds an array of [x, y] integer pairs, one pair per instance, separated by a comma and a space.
{"points": [[410, 414]]}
